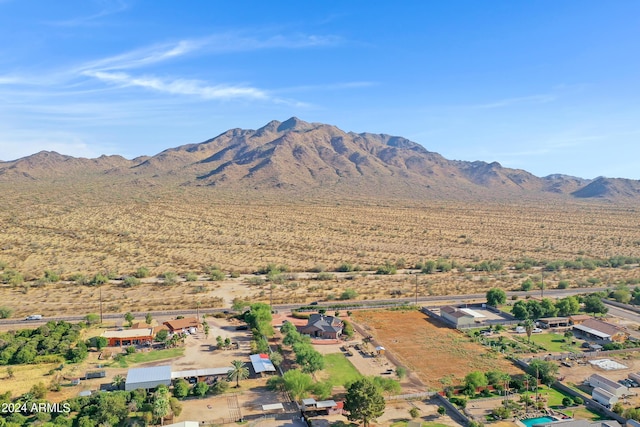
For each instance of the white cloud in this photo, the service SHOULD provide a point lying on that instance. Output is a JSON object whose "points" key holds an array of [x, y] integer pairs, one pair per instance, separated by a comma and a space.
{"points": [[110, 8], [180, 86], [509, 102], [143, 57]]}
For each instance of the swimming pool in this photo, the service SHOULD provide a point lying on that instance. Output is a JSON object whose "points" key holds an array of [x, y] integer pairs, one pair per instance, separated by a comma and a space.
{"points": [[533, 421]]}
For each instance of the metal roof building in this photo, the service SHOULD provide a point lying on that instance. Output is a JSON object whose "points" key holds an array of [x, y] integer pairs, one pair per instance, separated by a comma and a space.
{"points": [[261, 363], [147, 378]]}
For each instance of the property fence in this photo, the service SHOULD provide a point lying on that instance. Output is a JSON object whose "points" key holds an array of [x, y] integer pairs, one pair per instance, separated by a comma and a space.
{"points": [[412, 396], [453, 410], [586, 355], [629, 307]]}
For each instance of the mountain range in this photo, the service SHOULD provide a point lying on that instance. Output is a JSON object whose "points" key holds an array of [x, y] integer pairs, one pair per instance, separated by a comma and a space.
{"points": [[320, 160]]}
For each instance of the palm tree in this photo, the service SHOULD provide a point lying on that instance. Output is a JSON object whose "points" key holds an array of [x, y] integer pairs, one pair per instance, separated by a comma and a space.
{"points": [[239, 372], [528, 327], [118, 381]]}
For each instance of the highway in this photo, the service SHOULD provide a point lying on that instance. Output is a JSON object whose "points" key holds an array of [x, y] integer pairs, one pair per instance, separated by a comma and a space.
{"points": [[361, 304]]}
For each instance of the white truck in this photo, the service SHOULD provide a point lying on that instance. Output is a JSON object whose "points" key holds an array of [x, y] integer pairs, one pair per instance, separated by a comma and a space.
{"points": [[34, 317]]}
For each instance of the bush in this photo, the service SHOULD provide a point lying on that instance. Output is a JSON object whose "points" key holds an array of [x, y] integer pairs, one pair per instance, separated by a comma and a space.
{"points": [[567, 401], [414, 412], [325, 276], [349, 293], [131, 281], [191, 277], [461, 402], [99, 279], [51, 276], [345, 267], [170, 278], [5, 312], [387, 268], [141, 273], [217, 275]]}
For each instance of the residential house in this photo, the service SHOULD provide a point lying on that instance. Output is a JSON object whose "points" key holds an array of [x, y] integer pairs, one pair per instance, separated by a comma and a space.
{"points": [[321, 326], [189, 324], [127, 337]]}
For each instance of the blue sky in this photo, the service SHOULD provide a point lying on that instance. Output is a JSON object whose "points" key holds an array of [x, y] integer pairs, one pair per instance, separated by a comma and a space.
{"points": [[546, 86]]}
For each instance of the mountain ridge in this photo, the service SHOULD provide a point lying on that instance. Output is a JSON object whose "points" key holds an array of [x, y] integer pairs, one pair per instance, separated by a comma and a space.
{"points": [[298, 156]]}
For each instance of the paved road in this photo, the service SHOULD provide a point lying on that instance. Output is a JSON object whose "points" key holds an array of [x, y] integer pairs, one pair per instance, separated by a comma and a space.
{"points": [[430, 300]]}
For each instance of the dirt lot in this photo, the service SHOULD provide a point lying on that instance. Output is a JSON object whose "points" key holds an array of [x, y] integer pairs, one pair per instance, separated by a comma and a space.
{"points": [[431, 350]]}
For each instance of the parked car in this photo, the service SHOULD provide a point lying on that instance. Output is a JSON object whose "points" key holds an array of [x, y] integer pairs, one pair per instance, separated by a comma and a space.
{"points": [[536, 330], [242, 328]]}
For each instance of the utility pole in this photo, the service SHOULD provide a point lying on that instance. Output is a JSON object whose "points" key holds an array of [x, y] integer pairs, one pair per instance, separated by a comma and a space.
{"points": [[542, 283], [416, 288], [101, 306]]}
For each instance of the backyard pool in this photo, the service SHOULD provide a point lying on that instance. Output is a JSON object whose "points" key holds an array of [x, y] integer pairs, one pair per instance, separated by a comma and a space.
{"points": [[533, 421]]}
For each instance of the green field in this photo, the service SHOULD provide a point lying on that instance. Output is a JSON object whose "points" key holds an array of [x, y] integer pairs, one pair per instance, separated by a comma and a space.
{"points": [[339, 369], [149, 356], [552, 396], [554, 343]]}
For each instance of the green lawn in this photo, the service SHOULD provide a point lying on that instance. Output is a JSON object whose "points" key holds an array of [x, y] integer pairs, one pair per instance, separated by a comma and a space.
{"points": [[148, 356], [554, 397], [584, 414], [554, 343], [339, 369], [153, 355]]}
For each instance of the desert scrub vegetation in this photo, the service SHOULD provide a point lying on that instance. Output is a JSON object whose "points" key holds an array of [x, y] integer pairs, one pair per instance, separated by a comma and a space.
{"points": [[244, 236]]}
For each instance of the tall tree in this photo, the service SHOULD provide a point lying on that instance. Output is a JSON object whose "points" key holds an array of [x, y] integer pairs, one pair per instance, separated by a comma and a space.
{"points": [[496, 296], [161, 406], [593, 304], [364, 401], [129, 318], [297, 383], [528, 328], [545, 370], [238, 372]]}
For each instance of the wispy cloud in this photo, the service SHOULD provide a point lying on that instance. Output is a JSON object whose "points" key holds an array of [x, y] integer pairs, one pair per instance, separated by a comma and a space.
{"points": [[509, 102], [179, 86], [144, 57], [110, 69], [109, 7], [10, 80]]}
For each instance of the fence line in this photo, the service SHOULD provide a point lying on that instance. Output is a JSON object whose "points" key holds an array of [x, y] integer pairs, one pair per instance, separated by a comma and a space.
{"points": [[411, 396]]}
